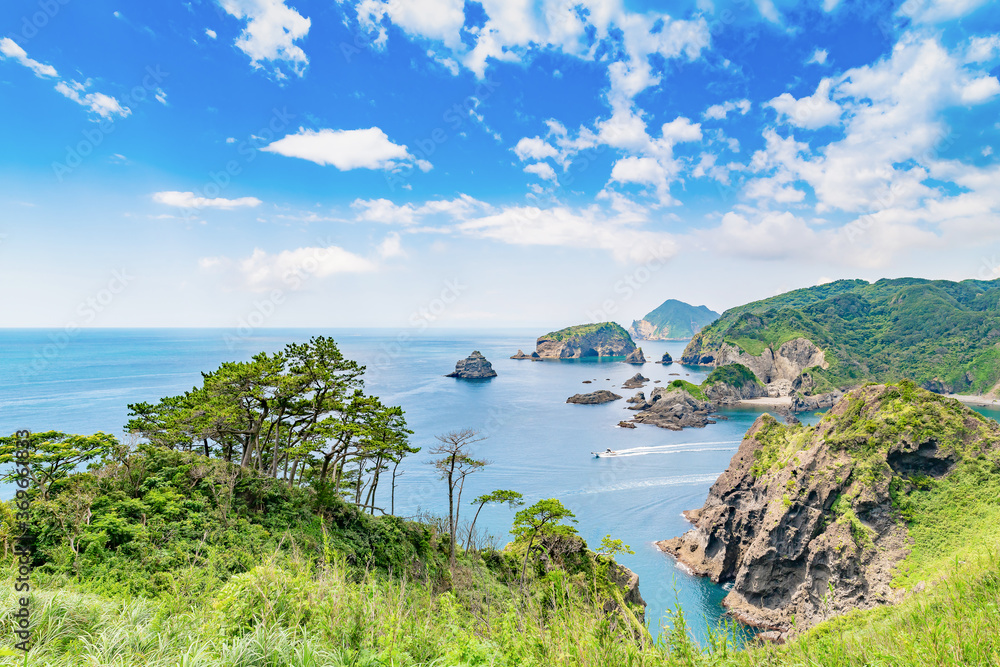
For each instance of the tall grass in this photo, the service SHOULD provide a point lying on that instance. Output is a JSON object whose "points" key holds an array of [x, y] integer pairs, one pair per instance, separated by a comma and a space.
{"points": [[288, 613]]}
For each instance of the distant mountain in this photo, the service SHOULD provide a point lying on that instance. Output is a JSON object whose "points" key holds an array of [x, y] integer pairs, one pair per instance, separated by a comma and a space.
{"points": [[673, 320], [944, 335]]}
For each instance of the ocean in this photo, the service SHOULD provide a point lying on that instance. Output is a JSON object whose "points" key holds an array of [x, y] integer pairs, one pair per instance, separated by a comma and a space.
{"points": [[81, 382]]}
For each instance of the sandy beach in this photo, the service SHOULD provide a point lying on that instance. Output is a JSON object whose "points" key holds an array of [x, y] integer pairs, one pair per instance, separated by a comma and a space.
{"points": [[976, 400], [782, 401]]}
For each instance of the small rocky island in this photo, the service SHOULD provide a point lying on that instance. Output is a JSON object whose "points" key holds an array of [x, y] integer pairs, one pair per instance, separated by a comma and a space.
{"points": [[635, 357], [473, 367], [604, 339], [666, 359], [676, 406], [636, 381], [594, 397], [521, 355]]}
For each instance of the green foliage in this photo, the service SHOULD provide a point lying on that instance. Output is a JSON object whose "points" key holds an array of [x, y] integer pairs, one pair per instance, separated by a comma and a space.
{"points": [[944, 335], [610, 329], [613, 547], [736, 375], [53, 456], [692, 389]]}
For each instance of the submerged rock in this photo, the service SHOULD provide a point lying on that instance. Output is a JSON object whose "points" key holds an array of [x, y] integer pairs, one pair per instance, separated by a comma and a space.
{"points": [[473, 367], [594, 397]]}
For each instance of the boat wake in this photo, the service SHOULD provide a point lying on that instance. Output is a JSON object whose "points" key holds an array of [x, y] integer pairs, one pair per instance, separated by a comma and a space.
{"points": [[680, 480], [666, 449]]}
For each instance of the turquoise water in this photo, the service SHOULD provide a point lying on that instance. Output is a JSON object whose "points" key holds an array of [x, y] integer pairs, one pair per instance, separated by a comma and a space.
{"points": [[539, 444]]}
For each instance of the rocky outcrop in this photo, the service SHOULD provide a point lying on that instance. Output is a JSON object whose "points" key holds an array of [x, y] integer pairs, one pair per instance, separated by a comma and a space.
{"points": [[473, 367], [674, 408], [638, 402], [813, 403], [594, 397], [802, 522], [785, 363], [731, 384], [625, 424], [606, 339], [666, 359], [636, 357], [727, 394], [635, 382]]}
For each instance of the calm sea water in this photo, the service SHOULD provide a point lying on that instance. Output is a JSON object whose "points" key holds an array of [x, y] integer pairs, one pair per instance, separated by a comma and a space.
{"points": [[538, 444]]}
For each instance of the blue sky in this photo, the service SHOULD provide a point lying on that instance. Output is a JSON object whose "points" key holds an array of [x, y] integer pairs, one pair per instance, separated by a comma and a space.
{"points": [[511, 163]]}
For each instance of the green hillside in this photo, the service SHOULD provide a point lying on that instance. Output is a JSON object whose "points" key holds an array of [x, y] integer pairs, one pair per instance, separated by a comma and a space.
{"points": [[944, 335], [610, 329], [673, 319]]}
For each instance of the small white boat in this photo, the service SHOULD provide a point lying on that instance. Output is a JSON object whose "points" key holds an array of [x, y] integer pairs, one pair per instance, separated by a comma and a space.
{"points": [[606, 453]]}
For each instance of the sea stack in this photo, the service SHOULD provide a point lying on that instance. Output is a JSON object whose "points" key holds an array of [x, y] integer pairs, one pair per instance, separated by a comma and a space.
{"points": [[635, 357], [667, 359], [473, 367]]}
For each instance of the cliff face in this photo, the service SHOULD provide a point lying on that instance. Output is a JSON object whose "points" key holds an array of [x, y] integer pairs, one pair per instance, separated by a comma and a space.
{"points": [[785, 363], [803, 522], [606, 339]]}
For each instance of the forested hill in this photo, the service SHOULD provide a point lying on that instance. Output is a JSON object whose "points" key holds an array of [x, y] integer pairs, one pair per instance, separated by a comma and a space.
{"points": [[944, 335]]}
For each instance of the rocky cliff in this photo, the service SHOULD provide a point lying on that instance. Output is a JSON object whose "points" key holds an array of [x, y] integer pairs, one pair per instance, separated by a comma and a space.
{"points": [[803, 522], [784, 363], [473, 367], [605, 339]]}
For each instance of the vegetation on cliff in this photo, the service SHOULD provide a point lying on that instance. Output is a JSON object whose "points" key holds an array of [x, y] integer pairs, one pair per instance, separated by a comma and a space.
{"points": [[944, 335], [734, 375], [612, 329]]}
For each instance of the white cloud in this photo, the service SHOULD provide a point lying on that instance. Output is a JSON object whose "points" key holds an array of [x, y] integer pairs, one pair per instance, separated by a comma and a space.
{"points": [[211, 33], [534, 148], [290, 269], [191, 200], [818, 57], [270, 34], [543, 170], [983, 49], [10, 49], [386, 212], [100, 104], [720, 111], [103, 105], [588, 228], [810, 113], [346, 149], [938, 11], [391, 246]]}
